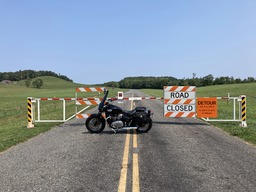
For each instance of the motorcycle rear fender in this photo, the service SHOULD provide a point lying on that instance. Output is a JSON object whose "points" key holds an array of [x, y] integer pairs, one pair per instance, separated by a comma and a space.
{"points": [[140, 109]]}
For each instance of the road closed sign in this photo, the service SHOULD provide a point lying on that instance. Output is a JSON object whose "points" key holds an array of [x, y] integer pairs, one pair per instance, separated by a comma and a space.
{"points": [[207, 107], [179, 101]]}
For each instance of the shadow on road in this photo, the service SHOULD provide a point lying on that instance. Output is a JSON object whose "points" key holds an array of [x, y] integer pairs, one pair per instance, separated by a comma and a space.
{"points": [[72, 125], [179, 123], [110, 132]]}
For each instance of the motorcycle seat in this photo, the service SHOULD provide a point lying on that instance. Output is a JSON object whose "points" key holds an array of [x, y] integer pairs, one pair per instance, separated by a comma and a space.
{"points": [[130, 113]]}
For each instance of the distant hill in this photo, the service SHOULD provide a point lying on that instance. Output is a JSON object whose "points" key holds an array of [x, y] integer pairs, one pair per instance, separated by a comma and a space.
{"points": [[29, 74], [50, 82]]}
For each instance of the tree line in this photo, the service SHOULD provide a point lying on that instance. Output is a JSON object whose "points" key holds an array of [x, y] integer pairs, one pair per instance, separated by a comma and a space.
{"points": [[29, 74], [159, 82], [139, 82]]}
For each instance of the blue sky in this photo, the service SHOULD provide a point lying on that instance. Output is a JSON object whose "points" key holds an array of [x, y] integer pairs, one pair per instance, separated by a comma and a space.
{"points": [[99, 41]]}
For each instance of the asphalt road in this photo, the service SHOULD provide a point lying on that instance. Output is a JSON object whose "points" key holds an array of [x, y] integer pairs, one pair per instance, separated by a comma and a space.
{"points": [[178, 154]]}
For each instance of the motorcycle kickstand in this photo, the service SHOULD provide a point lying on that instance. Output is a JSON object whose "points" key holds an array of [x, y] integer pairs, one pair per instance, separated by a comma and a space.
{"points": [[114, 130]]}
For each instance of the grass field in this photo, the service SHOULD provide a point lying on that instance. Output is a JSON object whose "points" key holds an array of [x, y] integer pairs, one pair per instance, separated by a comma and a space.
{"points": [[13, 108], [225, 107]]}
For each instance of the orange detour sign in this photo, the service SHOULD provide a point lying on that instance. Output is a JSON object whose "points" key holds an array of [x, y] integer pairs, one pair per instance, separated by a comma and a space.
{"points": [[206, 107]]}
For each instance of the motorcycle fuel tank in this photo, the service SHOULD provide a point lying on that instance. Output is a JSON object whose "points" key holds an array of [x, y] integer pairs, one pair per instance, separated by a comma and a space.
{"points": [[114, 109]]}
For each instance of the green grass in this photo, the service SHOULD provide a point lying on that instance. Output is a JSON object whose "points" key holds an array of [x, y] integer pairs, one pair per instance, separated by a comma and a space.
{"points": [[225, 107], [13, 108]]}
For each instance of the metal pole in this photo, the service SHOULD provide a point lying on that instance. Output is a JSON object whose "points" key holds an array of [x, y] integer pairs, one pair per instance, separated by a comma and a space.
{"points": [[243, 119], [30, 113], [75, 103], [38, 110], [234, 109], [64, 110]]}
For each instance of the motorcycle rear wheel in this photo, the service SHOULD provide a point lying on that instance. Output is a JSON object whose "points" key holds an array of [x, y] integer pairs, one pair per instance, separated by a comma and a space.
{"points": [[95, 124], [145, 127]]}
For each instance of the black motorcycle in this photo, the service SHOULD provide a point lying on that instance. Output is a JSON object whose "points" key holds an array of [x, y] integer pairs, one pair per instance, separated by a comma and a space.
{"points": [[118, 119]]}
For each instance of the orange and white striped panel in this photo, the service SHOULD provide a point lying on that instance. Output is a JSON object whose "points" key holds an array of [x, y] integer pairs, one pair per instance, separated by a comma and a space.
{"points": [[180, 114], [85, 116], [89, 102], [179, 88], [90, 89], [82, 116], [180, 101]]}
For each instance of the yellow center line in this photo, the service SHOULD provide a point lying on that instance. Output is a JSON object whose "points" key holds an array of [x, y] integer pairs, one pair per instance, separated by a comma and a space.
{"points": [[123, 176], [135, 143], [135, 174], [135, 170], [135, 167]]}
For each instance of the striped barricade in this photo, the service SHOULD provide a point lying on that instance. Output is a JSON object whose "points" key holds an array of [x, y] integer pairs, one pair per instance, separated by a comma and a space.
{"points": [[179, 101], [90, 89]]}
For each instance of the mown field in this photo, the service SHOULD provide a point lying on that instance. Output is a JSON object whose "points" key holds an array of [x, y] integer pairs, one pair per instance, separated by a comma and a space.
{"points": [[225, 107], [13, 108]]}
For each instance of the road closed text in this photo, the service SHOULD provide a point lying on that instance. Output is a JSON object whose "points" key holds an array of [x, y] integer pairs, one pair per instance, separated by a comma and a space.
{"points": [[179, 95], [180, 108]]}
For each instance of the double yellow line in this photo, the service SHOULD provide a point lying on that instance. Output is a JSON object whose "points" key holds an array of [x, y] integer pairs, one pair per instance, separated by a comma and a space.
{"points": [[135, 167]]}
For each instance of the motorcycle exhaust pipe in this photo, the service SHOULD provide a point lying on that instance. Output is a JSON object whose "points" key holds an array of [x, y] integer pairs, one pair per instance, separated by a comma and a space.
{"points": [[129, 128]]}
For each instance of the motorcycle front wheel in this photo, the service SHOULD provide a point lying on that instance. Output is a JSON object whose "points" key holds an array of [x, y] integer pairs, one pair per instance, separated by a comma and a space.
{"points": [[144, 127], [95, 124]]}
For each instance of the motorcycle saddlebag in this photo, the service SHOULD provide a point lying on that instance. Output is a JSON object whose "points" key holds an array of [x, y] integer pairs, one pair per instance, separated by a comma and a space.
{"points": [[141, 116]]}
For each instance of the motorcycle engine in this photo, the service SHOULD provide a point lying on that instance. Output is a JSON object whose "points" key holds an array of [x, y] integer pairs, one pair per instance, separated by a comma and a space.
{"points": [[117, 123]]}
